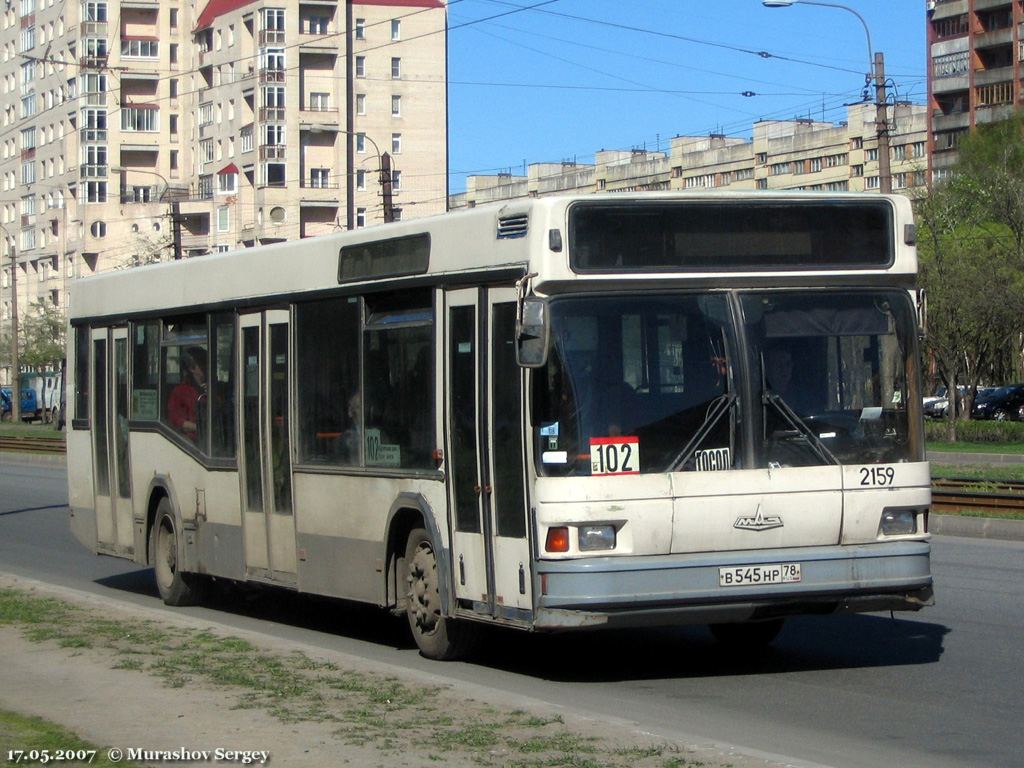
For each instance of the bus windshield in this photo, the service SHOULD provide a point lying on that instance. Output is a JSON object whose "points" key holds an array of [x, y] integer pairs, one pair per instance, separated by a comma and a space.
{"points": [[651, 384]]}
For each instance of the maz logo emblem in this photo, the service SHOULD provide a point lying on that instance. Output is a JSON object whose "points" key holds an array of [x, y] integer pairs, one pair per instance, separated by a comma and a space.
{"points": [[758, 522]]}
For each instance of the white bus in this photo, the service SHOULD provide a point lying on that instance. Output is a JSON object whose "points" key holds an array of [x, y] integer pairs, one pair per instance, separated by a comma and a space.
{"points": [[553, 414]]}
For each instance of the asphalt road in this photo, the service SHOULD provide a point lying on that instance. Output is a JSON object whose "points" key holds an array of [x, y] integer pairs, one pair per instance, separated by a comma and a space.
{"points": [[943, 687]]}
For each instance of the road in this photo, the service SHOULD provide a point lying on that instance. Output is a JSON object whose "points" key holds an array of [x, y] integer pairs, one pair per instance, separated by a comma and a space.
{"points": [[943, 687]]}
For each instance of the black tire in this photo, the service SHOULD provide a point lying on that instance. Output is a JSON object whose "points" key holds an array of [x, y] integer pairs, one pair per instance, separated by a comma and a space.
{"points": [[750, 635], [437, 636], [175, 586]]}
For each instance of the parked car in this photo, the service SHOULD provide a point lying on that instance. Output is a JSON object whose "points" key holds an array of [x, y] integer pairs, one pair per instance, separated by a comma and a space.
{"points": [[1000, 404], [29, 405]]}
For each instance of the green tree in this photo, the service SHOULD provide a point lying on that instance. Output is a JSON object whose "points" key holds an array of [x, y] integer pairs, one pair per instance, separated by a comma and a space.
{"points": [[971, 250], [43, 333]]}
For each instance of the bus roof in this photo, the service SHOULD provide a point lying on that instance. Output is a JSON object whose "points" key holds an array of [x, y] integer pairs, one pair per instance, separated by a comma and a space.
{"points": [[509, 238]]}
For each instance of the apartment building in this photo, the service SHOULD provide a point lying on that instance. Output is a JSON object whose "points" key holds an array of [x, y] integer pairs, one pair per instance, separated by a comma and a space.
{"points": [[781, 154], [975, 50], [135, 130]]}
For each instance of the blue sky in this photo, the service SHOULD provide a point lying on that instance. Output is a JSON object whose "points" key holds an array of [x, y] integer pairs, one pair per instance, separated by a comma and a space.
{"points": [[546, 85]]}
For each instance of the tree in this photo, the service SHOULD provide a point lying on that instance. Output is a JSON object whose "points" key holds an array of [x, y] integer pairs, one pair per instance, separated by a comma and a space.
{"points": [[43, 333], [971, 250]]}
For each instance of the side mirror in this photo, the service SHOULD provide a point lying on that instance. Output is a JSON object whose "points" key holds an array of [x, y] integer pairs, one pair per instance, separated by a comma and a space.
{"points": [[533, 333]]}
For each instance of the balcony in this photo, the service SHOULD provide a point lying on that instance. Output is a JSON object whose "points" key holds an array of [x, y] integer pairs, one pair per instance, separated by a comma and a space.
{"points": [[272, 114], [92, 29], [990, 76], [993, 39], [93, 170], [271, 37], [273, 151], [269, 75], [92, 62], [941, 122]]}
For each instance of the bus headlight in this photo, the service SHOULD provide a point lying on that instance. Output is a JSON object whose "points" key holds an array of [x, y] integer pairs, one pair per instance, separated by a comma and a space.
{"points": [[596, 537], [898, 522]]}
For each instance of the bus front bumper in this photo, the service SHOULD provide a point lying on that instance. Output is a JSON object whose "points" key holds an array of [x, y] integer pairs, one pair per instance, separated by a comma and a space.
{"points": [[687, 589]]}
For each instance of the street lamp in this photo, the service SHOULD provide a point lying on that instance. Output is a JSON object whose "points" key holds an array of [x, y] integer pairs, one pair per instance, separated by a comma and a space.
{"points": [[876, 71], [174, 203]]}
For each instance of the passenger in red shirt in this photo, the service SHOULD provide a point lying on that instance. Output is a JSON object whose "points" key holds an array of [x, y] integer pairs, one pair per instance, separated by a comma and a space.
{"points": [[183, 403]]}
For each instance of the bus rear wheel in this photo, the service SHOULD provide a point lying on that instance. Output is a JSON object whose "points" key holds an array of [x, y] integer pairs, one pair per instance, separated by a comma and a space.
{"points": [[437, 636], [175, 586], [749, 635]]}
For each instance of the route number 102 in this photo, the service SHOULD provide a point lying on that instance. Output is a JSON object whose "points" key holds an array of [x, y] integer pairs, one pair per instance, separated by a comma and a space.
{"points": [[615, 455]]}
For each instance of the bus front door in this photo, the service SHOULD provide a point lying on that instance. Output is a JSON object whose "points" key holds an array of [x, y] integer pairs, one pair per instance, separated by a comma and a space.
{"points": [[111, 461], [487, 493], [268, 517]]}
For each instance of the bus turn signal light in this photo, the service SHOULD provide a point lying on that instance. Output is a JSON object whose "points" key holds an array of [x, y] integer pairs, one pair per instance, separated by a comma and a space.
{"points": [[557, 540]]}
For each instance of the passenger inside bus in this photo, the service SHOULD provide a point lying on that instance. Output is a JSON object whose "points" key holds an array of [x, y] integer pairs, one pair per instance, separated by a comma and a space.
{"points": [[186, 399]]}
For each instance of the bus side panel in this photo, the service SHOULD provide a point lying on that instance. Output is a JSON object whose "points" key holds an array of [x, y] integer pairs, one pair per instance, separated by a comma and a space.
{"points": [[207, 501], [80, 494], [340, 531]]}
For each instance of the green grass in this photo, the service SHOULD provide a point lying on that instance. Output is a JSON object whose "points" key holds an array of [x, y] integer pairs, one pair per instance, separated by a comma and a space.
{"points": [[359, 708], [965, 447], [981, 472], [18, 732], [38, 429]]}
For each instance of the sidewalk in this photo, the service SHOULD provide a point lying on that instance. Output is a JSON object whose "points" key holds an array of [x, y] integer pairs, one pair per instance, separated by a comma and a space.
{"points": [[125, 709]]}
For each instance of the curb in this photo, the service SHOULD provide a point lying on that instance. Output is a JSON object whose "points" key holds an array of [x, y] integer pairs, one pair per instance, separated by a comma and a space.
{"points": [[955, 457], [976, 527]]}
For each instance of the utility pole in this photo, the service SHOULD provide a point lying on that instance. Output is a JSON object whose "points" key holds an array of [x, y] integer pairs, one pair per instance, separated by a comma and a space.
{"points": [[15, 362], [882, 126], [385, 186], [176, 225]]}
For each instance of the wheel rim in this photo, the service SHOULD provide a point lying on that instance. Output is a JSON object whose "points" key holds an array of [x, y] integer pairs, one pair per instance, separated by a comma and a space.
{"points": [[166, 553], [424, 600]]}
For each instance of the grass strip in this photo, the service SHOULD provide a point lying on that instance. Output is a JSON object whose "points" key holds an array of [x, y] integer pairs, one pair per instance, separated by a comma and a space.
{"points": [[28, 735], [359, 708]]}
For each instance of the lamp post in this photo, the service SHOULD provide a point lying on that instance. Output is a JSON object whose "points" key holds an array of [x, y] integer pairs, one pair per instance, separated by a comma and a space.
{"points": [[876, 72], [174, 203], [15, 362]]}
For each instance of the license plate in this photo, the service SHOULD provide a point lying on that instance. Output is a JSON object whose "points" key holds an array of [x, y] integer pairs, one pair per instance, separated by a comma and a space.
{"points": [[747, 575]]}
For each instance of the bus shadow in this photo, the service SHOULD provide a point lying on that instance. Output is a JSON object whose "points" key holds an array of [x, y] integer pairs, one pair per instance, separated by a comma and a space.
{"points": [[332, 616], [806, 643]]}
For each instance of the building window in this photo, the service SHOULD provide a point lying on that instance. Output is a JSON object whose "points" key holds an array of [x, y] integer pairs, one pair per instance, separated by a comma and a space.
{"points": [[396, 143], [396, 68], [223, 218], [140, 49], [360, 29], [997, 93], [206, 114], [360, 142], [872, 155], [396, 180], [319, 178], [899, 152], [361, 180], [360, 66], [98, 229], [28, 172], [856, 142], [227, 183], [396, 106], [95, 191], [246, 137], [396, 29], [814, 165], [319, 101], [857, 170], [140, 119], [871, 182], [96, 10], [360, 103], [318, 25], [778, 169], [360, 218]]}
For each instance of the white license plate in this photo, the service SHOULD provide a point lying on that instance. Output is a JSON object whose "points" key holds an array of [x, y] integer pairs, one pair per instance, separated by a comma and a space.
{"points": [[748, 575]]}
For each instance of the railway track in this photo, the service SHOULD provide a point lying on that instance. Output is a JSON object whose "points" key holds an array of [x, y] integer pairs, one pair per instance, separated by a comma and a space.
{"points": [[32, 444], [948, 494]]}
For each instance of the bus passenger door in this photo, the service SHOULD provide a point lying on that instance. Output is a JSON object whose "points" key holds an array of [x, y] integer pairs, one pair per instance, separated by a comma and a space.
{"points": [[490, 548], [111, 461], [268, 517]]}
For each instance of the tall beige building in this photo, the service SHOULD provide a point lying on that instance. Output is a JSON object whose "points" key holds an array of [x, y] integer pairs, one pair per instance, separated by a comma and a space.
{"points": [[781, 154], [138, 129]]}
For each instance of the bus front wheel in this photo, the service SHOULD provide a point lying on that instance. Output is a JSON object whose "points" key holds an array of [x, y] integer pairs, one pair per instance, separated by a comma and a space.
{"points": [[175, 586], [437, 636]]}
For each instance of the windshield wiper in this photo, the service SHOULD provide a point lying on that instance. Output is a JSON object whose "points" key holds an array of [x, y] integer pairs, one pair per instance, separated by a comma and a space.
{"points": [[719, 407], [799, 425]]}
